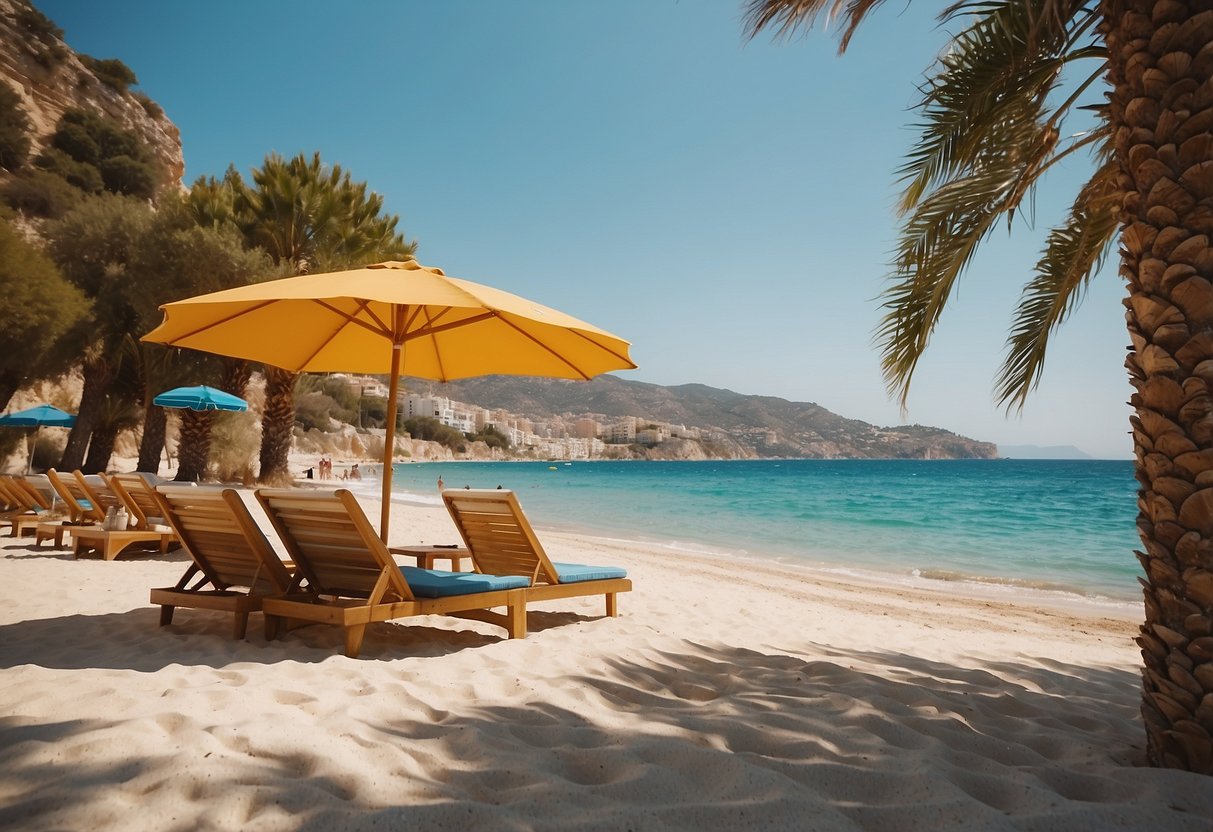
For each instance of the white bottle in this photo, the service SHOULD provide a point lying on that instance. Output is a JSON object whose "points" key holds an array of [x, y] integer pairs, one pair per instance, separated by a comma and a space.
{"points": [[121, 518], [111, 515]]}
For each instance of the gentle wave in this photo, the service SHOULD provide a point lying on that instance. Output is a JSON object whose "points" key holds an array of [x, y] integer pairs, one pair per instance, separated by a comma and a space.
{"points": [[1036, 525]]}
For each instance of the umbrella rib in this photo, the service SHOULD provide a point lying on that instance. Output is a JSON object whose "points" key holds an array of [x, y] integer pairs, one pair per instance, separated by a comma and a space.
{"points": [[363, 305], [430, 330], [220, 322], [437, 355], [631, 364], [555, 354]]}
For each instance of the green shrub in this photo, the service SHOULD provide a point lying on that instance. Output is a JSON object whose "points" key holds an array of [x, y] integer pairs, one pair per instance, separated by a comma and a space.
{"points": [[95, 153], [14, 130], [36, 24], [83, 175], [492, 437], [124, 175], [111, 72], [41, 193], [315, 410], [430, 429], [150, 107]]}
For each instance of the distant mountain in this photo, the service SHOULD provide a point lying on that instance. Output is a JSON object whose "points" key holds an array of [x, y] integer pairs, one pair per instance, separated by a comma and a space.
{"points": [[760, 426], [1042, 452]]}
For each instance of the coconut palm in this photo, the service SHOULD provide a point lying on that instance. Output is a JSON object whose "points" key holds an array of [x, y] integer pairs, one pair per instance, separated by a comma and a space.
{"points": [[991, 125]]}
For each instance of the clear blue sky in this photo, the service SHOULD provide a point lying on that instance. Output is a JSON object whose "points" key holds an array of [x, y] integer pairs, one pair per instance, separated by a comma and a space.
{"points": [[724, 205]]}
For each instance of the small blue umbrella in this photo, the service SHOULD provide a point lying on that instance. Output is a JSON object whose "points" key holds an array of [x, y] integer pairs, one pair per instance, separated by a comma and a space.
{"points": [[43, 414], [200, 398], [36, 417]]}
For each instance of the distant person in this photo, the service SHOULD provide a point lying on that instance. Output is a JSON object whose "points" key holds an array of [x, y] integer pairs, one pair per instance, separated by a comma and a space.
{"points": [[308, 473], [440, 483], [355, 474]]}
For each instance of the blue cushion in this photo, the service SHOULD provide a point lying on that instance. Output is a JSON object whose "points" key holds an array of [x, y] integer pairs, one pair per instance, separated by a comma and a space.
{"points": [[85, 504], [435, 583], [571, 573]]}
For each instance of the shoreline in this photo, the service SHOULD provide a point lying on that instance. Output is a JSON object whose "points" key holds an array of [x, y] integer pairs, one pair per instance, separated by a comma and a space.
{"points": [[992, 587], [721, 697]]}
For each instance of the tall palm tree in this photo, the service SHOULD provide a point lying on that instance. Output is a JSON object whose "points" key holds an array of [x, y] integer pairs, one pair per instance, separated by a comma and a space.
{"points": [[308, 216], [992, 113]]}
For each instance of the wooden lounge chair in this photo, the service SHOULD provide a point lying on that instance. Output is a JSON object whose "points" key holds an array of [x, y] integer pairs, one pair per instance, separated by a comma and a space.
{"points": [[88, 501], [352, 580], [502, 542], [26, 505], [228, 548]]}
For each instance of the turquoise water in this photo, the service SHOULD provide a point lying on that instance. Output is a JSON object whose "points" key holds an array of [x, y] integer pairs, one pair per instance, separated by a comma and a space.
{"points": [[1054, 525]]}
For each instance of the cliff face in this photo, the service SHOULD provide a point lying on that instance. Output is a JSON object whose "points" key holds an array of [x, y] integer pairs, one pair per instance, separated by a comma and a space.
{"points": [[51, 78]]}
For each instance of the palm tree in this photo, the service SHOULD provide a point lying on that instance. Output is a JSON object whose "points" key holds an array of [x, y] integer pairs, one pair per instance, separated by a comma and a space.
{"points": [[992, 113], [308, 216]]}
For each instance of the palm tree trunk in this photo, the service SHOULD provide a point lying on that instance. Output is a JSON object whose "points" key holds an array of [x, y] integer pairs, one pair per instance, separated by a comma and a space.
{"points": [[194, 446], [1162, 117], [100, 448], [151, 446], [277, 424], [96, 383], [10, 383]]}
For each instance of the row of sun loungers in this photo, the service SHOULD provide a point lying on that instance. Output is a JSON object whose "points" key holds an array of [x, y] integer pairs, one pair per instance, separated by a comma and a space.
{"points": [[339, 573]]}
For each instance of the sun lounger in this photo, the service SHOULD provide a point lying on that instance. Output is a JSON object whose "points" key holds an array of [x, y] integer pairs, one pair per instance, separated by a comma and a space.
{"points": [[27, 504], [90, 501], [234, 566], [346, 576], [502, 542]]}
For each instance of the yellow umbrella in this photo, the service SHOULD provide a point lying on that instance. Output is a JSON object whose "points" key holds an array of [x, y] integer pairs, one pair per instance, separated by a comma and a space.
{"points": [[399, 318]]}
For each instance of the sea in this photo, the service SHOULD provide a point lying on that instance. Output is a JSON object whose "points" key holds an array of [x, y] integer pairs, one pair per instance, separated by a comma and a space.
{"points": [[1064, 528]]}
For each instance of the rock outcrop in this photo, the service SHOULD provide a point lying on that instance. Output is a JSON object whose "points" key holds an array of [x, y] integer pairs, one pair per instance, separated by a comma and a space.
{"points": [[50, 79]]}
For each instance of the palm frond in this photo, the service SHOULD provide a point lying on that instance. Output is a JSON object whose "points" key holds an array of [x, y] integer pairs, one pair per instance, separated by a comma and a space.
{"points": [[1074, 253], [991, 75], [787, 17]]}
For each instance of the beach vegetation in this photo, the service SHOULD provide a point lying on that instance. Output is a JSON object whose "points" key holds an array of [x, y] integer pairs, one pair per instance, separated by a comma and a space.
{"points": [[40, 193], [492, 436], [308, 216], [41, 307], [431, 430], [36, 24], [95, 153], [127, 260], [1021, 87], [14, 130], [110, 71], [149, 106]]}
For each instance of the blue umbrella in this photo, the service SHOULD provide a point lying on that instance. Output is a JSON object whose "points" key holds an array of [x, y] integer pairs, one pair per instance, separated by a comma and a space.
{"points": [[36, 417], [43, 414], [200, 398]]}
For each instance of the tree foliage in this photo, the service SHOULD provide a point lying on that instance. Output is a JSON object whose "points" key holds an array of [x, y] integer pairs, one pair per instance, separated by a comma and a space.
{"points": [[14, 130], [430, 429], [40, 308], [94, 153], [491, 436], [111, 72]]}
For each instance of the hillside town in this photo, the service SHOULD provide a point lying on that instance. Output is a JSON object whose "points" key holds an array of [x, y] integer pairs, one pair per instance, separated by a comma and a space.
{"points": [[565, 436]]}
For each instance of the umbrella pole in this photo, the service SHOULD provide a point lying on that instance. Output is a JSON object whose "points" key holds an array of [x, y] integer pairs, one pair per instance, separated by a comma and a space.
{"points": [[389, 444]]}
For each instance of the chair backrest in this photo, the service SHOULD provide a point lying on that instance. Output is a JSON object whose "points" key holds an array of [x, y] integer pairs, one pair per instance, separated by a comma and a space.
{"points": [[498, 535], [98, 492], [220, 534], [333, 544], [73, 495], [139, 497], [11, 500]]}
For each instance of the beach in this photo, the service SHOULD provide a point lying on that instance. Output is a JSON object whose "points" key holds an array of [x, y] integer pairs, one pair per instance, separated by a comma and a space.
{"points": [[728, 694]]}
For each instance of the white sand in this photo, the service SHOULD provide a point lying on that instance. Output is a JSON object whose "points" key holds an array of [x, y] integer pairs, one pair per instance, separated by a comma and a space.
{"points": [[726, 696]]}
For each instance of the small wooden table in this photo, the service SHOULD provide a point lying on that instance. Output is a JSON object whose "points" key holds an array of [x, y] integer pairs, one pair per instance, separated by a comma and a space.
{"points": [[51, 530], [426, 555]]}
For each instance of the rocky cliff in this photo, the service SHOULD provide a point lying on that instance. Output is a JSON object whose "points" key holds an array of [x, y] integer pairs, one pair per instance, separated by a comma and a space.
{"points": [[50, 79]]}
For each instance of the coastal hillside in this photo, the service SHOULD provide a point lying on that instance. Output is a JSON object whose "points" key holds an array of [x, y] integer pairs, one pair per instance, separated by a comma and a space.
{"points": [[50, 79], [761, 426]]}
